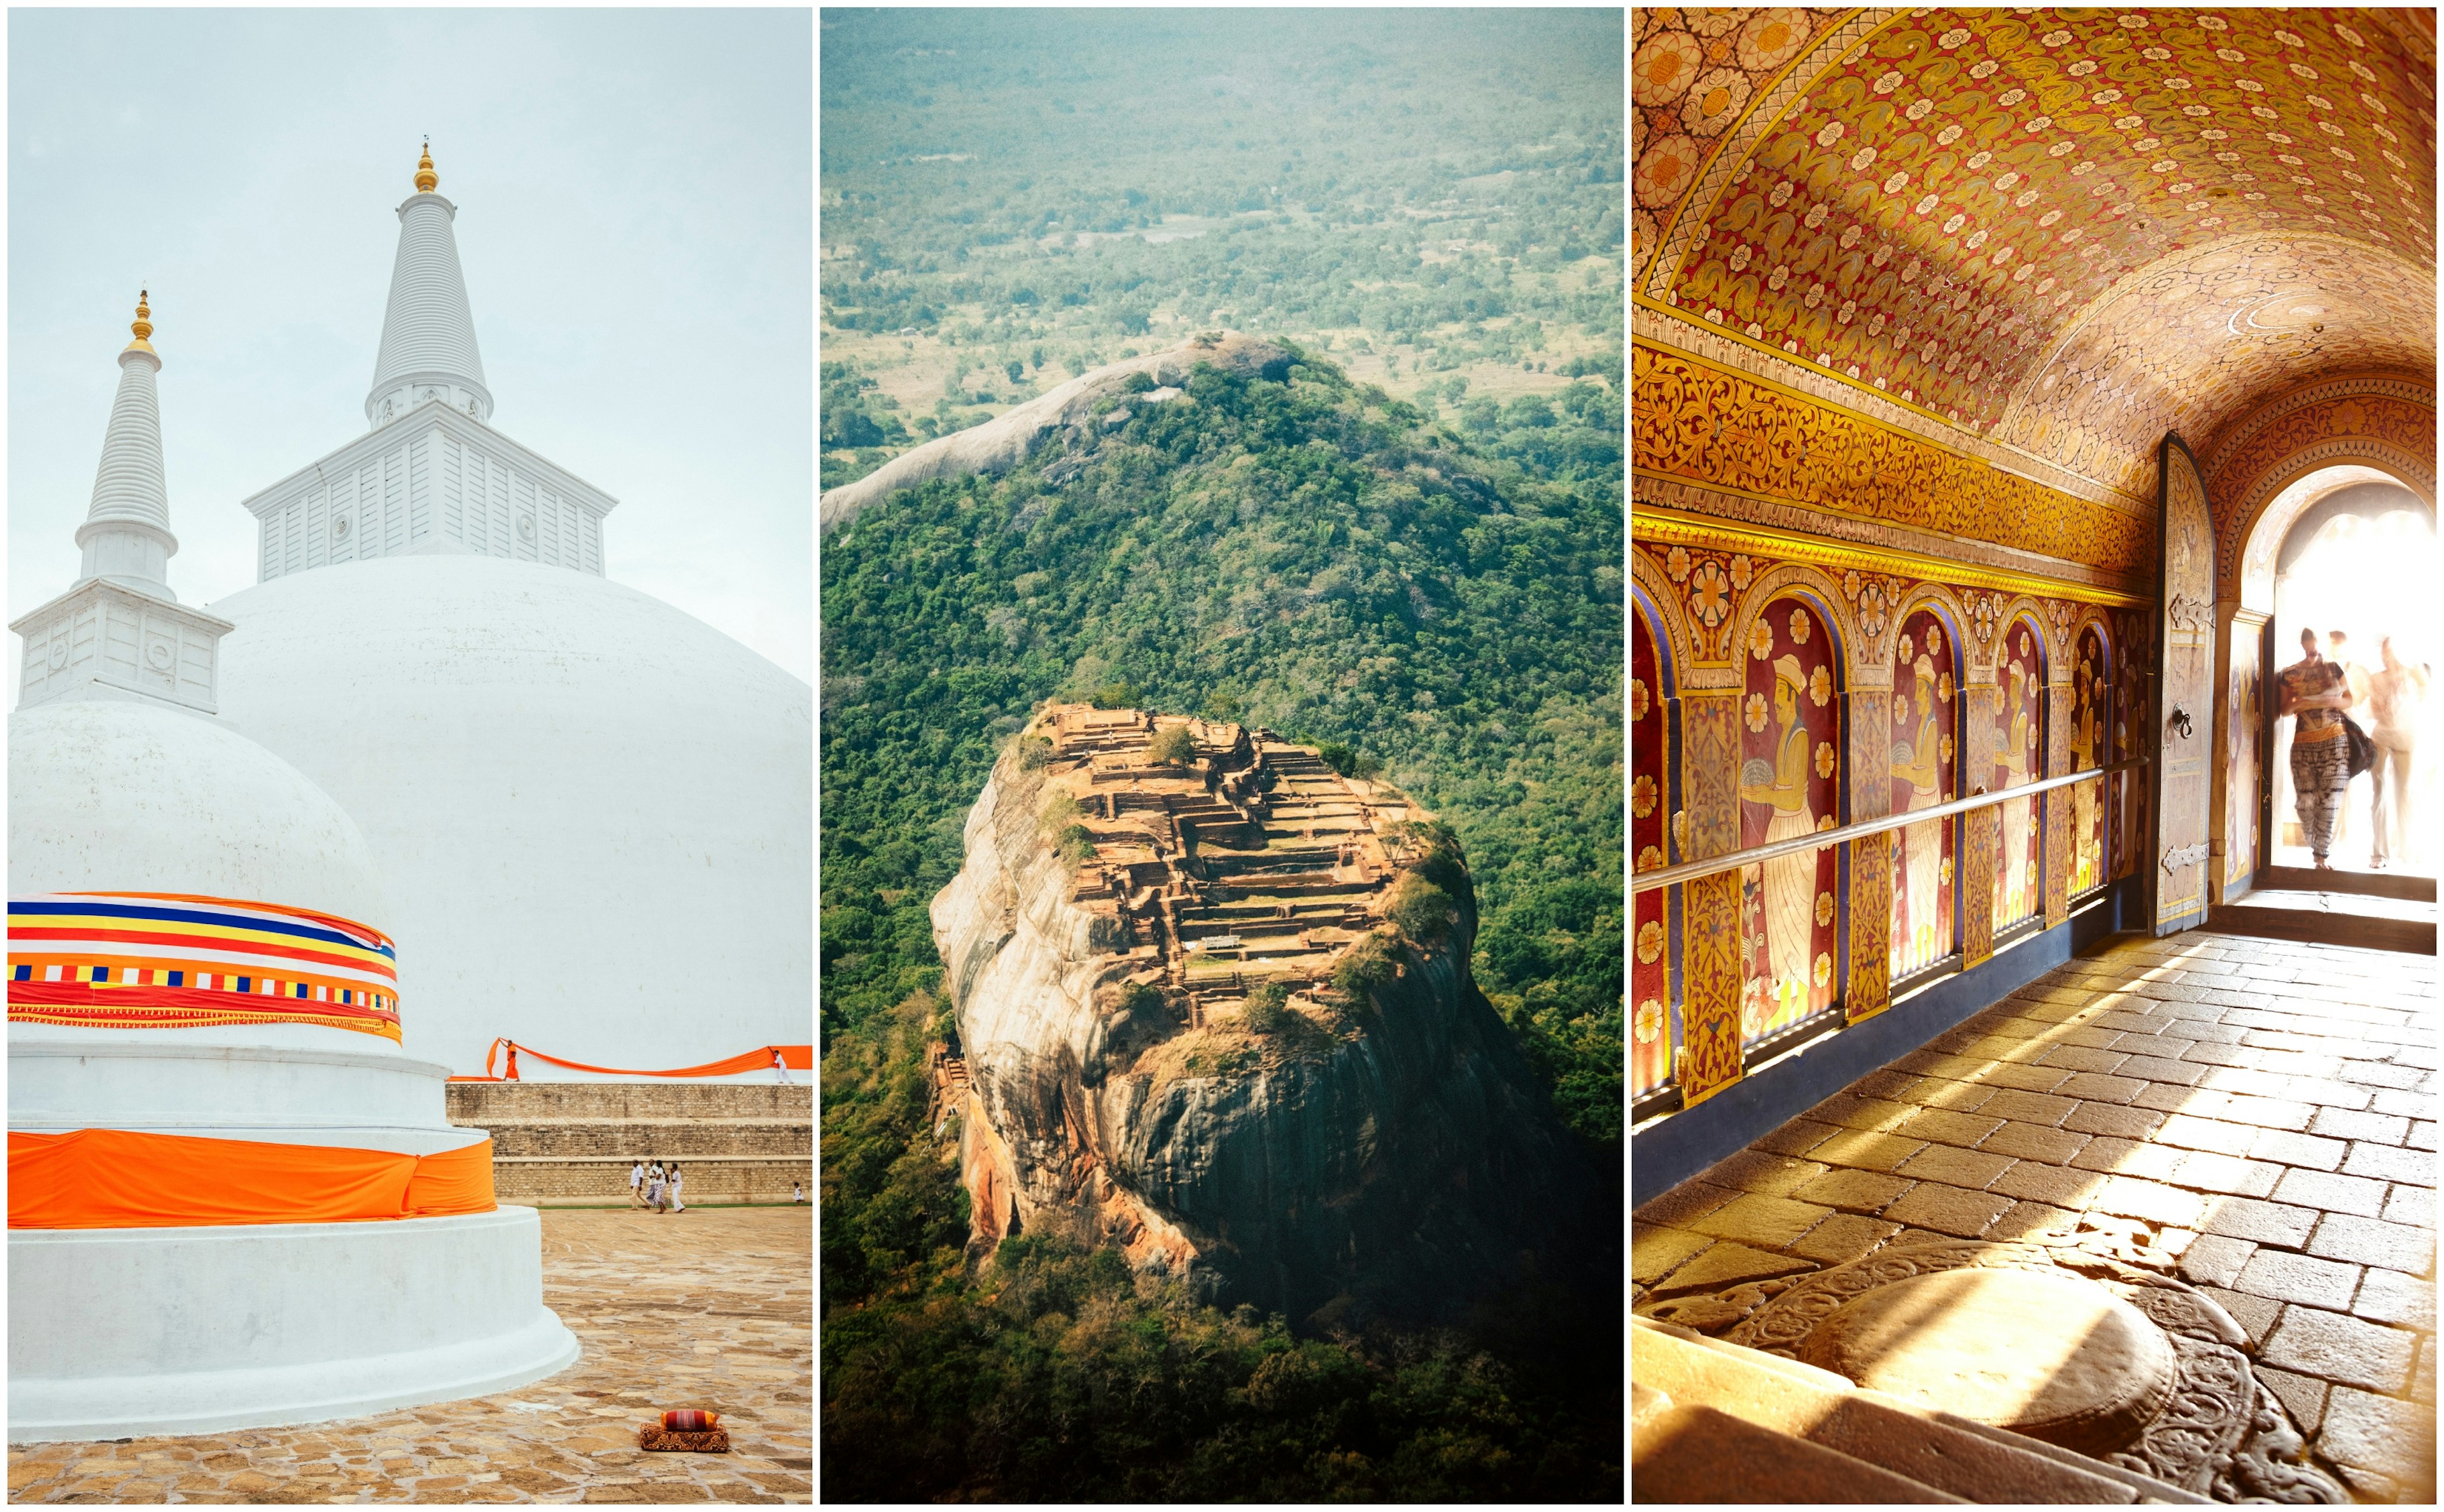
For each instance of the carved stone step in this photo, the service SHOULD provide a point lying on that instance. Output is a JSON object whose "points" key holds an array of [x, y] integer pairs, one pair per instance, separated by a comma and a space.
{"points": [[1950, 1456]]}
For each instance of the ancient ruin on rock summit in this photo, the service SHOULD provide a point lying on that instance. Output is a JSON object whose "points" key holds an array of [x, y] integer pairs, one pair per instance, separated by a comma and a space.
{"points": [[1214, 1005]]}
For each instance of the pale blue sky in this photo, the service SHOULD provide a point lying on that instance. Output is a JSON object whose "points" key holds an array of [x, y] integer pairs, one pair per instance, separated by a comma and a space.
{"points": [[635, 219]]}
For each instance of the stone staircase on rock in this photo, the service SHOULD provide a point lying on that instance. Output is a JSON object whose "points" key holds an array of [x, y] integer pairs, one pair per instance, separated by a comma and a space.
{"points": [[562, 1144], [1716, 1422]]}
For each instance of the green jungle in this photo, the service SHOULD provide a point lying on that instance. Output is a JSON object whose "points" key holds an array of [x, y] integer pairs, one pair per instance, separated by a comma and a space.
{"points": [[1408, 553]]}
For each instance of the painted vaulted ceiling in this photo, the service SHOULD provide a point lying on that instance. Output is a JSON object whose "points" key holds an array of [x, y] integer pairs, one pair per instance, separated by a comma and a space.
{"points": [[2065, 231]]}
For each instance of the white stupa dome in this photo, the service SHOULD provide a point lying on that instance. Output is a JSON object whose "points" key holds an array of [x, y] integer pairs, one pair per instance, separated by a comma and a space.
{"points": [[123, 794], [594, 812]]}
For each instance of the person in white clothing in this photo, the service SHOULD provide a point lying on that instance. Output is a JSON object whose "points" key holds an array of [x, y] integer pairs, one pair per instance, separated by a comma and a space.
{"points": [[797, 1192], [2394, 696], [637, 1185], [677, 1206]]}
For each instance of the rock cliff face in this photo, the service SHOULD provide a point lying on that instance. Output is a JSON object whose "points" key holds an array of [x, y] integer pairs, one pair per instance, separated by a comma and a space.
{"points": [[1001, 442], [1119, 924]]}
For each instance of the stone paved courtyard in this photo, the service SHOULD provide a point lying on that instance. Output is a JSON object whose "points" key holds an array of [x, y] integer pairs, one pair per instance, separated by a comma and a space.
{"points": [[714, 1308], [2255, 1117]]}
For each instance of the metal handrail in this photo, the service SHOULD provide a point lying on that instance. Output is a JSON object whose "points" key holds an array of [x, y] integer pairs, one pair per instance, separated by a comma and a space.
{"points": [[1818, 839]]}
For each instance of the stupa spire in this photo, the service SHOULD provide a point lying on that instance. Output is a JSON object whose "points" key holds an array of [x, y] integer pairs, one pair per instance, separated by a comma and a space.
{"points": [[126, 533], [118, 632], [428, 345]]}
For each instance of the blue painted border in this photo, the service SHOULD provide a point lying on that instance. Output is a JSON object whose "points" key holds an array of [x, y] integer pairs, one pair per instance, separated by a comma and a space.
{"points": [[1671, 1149]]}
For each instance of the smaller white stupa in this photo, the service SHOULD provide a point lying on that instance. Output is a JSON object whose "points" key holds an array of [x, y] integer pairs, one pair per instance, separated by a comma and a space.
{"points": [[154, 852]]}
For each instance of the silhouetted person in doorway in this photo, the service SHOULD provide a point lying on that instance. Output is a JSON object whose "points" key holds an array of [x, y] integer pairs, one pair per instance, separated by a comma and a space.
{"points": [[2315, 691], [2394, 696]]}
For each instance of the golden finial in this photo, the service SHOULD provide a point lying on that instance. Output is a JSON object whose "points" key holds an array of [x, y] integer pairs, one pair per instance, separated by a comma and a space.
{"points": [[426, 179], [143, 325]]}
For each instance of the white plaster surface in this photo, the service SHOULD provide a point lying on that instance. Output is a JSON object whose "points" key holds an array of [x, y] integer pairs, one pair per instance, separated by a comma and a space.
{"points": [[117, 1332], [428, 331], [594, 812], [120, 796]]}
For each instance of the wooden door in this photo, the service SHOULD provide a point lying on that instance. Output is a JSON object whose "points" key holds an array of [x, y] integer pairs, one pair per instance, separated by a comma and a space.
{"points": [[2185, 701]]}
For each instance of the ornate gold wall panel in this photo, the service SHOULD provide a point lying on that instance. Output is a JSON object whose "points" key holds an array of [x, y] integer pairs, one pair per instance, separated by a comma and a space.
{"points": [[1869, 990], [1703, 421]]}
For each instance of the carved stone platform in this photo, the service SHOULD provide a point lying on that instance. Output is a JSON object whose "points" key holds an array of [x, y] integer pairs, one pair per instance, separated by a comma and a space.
{"points": [[2059, 1343]]}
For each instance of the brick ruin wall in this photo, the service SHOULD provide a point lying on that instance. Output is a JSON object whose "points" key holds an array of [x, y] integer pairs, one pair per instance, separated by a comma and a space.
{"points": [[571, 1143]]}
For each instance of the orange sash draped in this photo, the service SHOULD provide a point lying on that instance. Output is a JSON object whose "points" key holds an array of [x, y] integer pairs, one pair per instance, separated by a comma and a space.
{"points": [[795, 1057], [113, 1178]]}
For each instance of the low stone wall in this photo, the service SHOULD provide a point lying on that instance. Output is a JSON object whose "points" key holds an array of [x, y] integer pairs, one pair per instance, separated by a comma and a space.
{"points": [[568, 1143]]}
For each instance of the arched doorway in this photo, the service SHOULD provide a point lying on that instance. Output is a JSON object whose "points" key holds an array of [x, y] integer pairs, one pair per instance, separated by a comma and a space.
{"points": [[2348, 548]]}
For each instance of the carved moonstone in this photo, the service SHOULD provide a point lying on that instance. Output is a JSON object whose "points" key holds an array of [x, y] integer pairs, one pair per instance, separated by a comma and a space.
{"points": [[2056, 1358]]}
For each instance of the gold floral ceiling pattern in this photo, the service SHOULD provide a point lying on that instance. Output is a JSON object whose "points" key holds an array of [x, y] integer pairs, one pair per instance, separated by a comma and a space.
{"points": [[2065, 229]]}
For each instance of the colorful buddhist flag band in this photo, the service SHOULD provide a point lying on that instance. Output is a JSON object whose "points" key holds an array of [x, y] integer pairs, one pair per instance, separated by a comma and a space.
{"points": [[178, 961], [117, 1178]]}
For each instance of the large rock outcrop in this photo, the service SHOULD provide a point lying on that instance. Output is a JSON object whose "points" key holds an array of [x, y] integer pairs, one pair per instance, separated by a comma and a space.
{"points": [[1004, 441], [1379, 1150]]}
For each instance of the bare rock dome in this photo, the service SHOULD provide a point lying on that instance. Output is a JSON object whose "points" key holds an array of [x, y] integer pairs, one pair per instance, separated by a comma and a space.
{"points": [[594, 811]]}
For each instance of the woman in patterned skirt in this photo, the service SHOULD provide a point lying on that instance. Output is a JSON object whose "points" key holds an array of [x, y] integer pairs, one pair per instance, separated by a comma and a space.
{"points": [[2315, 691]]}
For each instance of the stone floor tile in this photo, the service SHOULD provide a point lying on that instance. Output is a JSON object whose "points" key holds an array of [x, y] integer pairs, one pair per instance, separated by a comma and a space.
{"points": [[2086, 1039], [1844, 1238], [2266, 1112], [1796, 1137], [2297, 1149], [2032, 1220], [2422, 1377], [2302, 1396], [1947, 1210], [2248, 1082], [2022, 1106], [1957, 1096], [2090, 1086], [2392, 1297], [2212, 1260], [2267, 1223], [1895, 1085], [713, 1308], [2078, 1057], [1854, 1191], [2381, 1074], [1727, 1265], [2029, 1141], [2371, 1241], [2328, 1094], [1761, 1173], [2288, 1278], [1866, 1151], [1654, 1251], [1765, 1222], [2039, 1182], [2105, 1118], [2411, 1204], [2340, 1349], [2131, 1197], [2191, 1133], [2207, 1172], [2377, 1127], [1683, 1204], [2393, 1438], [2408, 1102], [1948, 1128], [2105, 1152], [2166, 1097], [2209, 1051], [2025, 1078], [1953, 1167], [2256, 1315], [2157, 1068], [2391, 1163], [2321, 1189], [1875, 1115], [2422, 1135], [2369, 1487]]}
